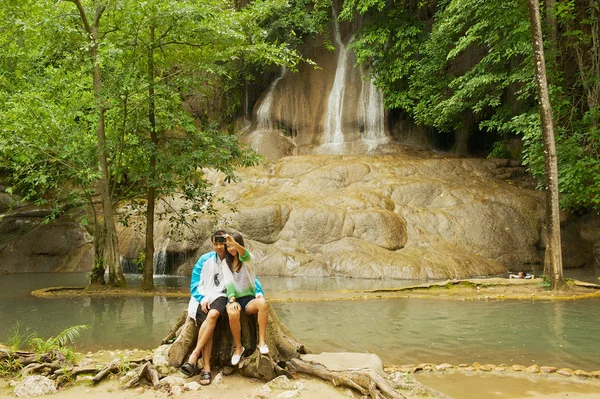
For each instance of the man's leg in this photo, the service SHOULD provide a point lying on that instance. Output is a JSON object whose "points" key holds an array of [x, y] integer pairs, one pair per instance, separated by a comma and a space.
{"points": [[204, 335]]}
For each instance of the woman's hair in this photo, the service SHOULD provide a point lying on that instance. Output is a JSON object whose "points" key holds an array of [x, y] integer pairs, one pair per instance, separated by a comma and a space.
{"points": [[229, 257]]}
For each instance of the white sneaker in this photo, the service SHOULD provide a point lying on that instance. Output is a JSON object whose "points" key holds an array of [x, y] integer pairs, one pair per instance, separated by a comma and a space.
{"points": [[235, 359], [264, 349]]}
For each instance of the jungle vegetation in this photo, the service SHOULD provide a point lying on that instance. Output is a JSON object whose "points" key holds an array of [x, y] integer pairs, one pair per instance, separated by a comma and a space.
{"points": [[95, 95]]}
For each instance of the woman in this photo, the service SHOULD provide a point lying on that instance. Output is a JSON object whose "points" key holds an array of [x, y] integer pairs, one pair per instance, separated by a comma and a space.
{"points": [[244, 293]]}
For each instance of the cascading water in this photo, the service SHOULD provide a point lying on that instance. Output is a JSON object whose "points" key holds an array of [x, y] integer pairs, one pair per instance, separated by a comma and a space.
{"points": [[335, 104], [263, 114], [371, 100]]}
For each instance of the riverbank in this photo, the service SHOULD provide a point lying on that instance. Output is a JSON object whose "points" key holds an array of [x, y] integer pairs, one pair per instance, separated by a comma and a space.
{"points": [[458, 289], [458, 382]]}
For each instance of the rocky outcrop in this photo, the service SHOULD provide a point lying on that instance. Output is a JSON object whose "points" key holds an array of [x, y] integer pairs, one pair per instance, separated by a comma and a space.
{"points": [[28, 244], [396, 217]]}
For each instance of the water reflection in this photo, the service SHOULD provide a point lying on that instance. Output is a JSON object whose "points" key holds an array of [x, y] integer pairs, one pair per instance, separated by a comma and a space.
{"points": [[403, 331], [400, 331]]}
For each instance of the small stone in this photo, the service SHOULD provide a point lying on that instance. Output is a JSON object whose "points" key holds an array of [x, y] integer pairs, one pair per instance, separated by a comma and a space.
{"points": [[176, 390], [300, 386], [288, 395], [218, 381], [140, 390], [596, 374], [476, 364], [192, 386], [566, 371], [281, 382], [533, 369], [582, 373], [548, 369], [34, 385], [427, 368], [228, 370], [485, 367], [443, 366], [262, 392], [463, 365], [517, 367], [470, 368], [348, 393]]}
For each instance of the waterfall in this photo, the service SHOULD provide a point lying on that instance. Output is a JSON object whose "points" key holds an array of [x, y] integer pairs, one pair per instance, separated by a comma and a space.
{"points": [[372, 116], [333, 118], [263, 114]]}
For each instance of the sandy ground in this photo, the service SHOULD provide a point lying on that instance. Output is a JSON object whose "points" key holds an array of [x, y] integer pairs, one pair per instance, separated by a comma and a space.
{"points": [[457, 386], [233, 387]]}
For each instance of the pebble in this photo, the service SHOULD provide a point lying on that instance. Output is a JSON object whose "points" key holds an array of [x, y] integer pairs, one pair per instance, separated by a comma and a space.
{"points": [[565, 371], [534, 369], [581, 373], [548, 369]]}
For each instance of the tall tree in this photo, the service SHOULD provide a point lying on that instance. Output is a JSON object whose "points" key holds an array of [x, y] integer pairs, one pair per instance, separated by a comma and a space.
{"points": [[111, 245], [553, 258]]}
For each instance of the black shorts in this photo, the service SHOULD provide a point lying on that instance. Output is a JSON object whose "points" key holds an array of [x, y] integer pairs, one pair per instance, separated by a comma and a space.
{"points": [[219, 304], [244, 301]]}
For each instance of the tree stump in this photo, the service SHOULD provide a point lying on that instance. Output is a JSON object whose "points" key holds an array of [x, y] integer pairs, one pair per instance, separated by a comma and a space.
{"points": [[283, 346]]}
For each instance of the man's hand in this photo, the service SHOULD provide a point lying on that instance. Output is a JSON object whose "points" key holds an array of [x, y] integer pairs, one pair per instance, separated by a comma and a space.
{"points": [[205, 306]]}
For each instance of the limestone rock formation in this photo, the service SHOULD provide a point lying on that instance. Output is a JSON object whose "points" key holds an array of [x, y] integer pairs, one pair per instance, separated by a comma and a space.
{"points": [[27, 244], [396, 217]]}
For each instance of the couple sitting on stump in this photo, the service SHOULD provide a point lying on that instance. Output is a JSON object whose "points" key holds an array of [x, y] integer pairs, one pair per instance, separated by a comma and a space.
{"points": [[224, 284]]}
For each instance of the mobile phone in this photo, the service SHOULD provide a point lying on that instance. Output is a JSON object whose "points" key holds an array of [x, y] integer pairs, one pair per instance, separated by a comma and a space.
{"points": [[220, 239]]}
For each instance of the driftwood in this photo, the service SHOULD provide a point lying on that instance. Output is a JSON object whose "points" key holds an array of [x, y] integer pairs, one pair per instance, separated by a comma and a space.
{"points": [[112, 368], [144, 372], [365, 381]]}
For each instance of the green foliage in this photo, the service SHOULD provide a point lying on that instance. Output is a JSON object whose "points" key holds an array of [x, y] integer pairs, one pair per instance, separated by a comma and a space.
{"points": [[18, 338], [30, 341], [546, 283], [60, 342]]}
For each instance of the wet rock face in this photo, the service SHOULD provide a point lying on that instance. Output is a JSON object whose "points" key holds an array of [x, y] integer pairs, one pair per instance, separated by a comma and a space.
{"points": [[381, 217], [27, 244]]}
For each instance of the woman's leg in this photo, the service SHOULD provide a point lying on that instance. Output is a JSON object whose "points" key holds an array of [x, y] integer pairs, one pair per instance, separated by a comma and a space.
{"points": [[259, 305], [233, 311]]}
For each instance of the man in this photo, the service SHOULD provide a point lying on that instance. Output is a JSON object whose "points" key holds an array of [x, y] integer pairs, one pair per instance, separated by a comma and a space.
{"points": [[521, 275], [207, 303]]}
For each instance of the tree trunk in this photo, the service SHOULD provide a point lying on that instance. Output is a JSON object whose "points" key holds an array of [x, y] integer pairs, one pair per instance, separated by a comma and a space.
{"points": [[111, 250], [283, 346], [97, 272], [148, 274], [553, 258]]}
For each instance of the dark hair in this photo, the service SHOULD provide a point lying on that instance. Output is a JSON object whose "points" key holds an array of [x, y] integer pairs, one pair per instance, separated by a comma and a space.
{"points": [[229, 257]]}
